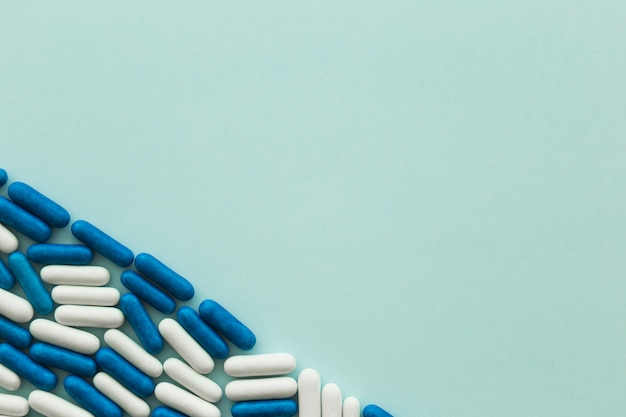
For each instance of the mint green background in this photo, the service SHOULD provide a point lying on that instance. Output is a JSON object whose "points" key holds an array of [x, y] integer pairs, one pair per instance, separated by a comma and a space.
{"points": [[424, 200]]}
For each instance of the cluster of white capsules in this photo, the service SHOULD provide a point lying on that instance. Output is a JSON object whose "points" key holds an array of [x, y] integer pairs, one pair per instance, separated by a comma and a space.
{"points": [[116, 378]]}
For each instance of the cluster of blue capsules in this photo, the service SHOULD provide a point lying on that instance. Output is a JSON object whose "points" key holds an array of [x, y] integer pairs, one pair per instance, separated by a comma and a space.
{"points": [[118, 377]]}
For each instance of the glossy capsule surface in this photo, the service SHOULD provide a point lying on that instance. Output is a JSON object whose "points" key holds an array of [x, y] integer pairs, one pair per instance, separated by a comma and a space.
{"points": [[372, 410]]}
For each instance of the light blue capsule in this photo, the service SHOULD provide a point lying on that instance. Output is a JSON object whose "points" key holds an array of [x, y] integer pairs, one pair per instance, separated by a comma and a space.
{"points": [[23, 365], [148, 292], [226, 324], [372, 410], [204, 335], [4, 177], [265, 408], [31, 283], [6, 277], [99, 241], [57, 254], [163, 411], [90, 398], [30, 226], [14, 334], [177, 286], [125, 373], [41, 206], [58, 357], [141, 323]]}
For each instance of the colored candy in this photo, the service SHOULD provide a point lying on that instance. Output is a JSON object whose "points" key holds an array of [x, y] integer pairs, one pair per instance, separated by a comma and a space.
{"points": [[99, 241], [89, 316], [38, 204], [30, 226], [6, 277], [309, 393], [267, 364], [3, 177], [204, 335], [64, 336], [141, 323], [200, 385], [265, 408], [148, 292], [9, 380], [226, 324], [13, 405], [261, 388], [184, 401], [61, 358], [90, 398], [53, 253], [331, 401], [164, 277], [28, 369], [15, 307], [163, 411], [50, 405], [372, 410], [186, 346], [8, 241], [14, 334], [31, 283], [119, 394], [125, 373], [133, 353]]}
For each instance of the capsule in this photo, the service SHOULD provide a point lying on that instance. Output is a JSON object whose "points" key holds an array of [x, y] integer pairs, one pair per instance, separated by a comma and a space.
{"points": [[89, 275], [13, 405], [265, 408], [261, 388], [14, 334], [90, 398], [141, 323], [9, 380], [119, 394], [184, 401], [372, 410], [30, 226], [125, 373], [200, 385], [31, 283], [204, 335], [23, 365], [331, 401], [89, 316], [99, 241], [351, 407], [54, 253], [186, 346], [177, 286], [226, 324], [6, 277], [309, 393], [163, 411], [90, 296], [268, 364], [4, 177], [50, 405], [8, 241], [64, 336], [133, 353], [58, 357], [15, 308], [148, 292], [38, 204]]}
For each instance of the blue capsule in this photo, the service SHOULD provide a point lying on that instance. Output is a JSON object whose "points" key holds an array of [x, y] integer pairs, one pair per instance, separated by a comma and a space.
{"points": [[6, 277], [204, 335], [125, 373], [31, 283], [30, 226], [4, 177], [226, 324], [61, 358], [99, 241], [57, 254], [148, 292], [14, 334], [90, 398], [23, 365], [163, 411], [372, 410], [265, 408], [164, 277], [141, 323], [41, 206]]}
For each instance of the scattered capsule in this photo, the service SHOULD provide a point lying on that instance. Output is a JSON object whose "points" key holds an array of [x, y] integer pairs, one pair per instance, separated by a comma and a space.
{"points": [[119, 394], [4, 177], [90, 398], [89, 316], [30, 226], [204, 335], [6, 277], [38, 204], [133, 353], [261, 388], [54, 253], [89, 296], [200, 385], [309, 393], [141, 323], [24, 366], [64, 336], [125, 373], [148, 292], [31, 283], [331, 401], [9, 380], [184, 401], [14, 334], [186, 346], [372, 410], [15, 308], [8, 241], [265, 408], [99, 241], [58, 357], [163, 276], [267, 364], [226, 324], [13, 405], [88, 275], [351, 407], [163, 411], [50, 405]]}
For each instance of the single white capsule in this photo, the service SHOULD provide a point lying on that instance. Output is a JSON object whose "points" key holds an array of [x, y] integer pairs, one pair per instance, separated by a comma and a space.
{"points": [[89, 316], [331, 401], [67, 337], [89, 275], [309, 393], [184, 401], [13, 405], [15, 307], [268, 364], [9, 380], [89, 296], [261, 388], [8, 241], [50, 405], [120, 395], [200, 385], [133, 353], [186, 346], [351, 407]]}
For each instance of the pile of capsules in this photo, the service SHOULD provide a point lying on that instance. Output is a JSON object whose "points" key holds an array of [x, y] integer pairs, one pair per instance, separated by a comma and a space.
{"points": [[108, 381]]}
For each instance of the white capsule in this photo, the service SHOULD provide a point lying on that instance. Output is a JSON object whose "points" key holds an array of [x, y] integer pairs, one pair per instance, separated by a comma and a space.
{"points": [[89, 275], [184, 401], [67, 337], [267, 364], [119, 394], [8, 241], [9, 380], [261, 388], [351, 407], [309, 393], [200, 385], [13, 405], [15, 307], [186, 346], [133, 353], [89, 316], [89, 296], [50, 405], [331, 401]]}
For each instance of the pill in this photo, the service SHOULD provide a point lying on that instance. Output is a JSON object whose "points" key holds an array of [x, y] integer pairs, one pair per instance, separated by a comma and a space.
{"points": [[267, 364], [64, 336], [200, 385], [141, 323], [164, 277], [163, 411], [331, 401], [133, 353], [6, 277], [8, 241], [90, 275], [124, 372], [372, 410], [3, 177], [14, 307], [148, 292], [309, 393], [351, 407], [204, 335], [24, 366], [30, 226], [186, 346], [38, 204], [226, 324], [184, 401], [9, 380], [31, 283], [265, 408], [54, 253], [13, 405], [89, 316], [58, 357], [119, 394], [261, 388], [90, 398], [14, 334], [50, 405], [91, 296], [99, 241]]}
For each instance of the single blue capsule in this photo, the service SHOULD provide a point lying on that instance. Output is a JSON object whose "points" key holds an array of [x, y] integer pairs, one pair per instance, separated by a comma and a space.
{"points": [[99, 241], [372, 410], [6, 277], [204, 335], [31, 283], [265, 408], [30, 226], [4, 177], [38, 204], [14, 334], [58, 254], [90, 398], [177, 286], [24, 366], [58, 357], [163, 411], [142, 324], [148, 292], [125, 373], [226, 324]]}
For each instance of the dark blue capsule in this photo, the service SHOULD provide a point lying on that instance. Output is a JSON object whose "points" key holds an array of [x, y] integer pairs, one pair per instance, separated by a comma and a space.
{"points": [[14, 334], [372, 410], [125, 373], [24, 366], [204, 335], [31, 283], [90, 398], [163, 411], [30, 226], [38, 204], [177, 286], [99, 241], [148, 292], [61, 358], [6, 277], [265, 408], [4, 177], [57, 254], [226, 324], [142, 324]]}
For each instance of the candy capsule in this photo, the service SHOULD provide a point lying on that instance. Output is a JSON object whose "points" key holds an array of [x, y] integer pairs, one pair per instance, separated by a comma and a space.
{"points": [[3, 177], [133, 353], [6, 277], [89, 316], [163, 411], [141, 323], [28, 369], [148, 292], [200, 385], [13, 405], [9, 380], [125, 373], [261, 388], [372, 410], [226, 324], [31, 283], [14, 334], [38, 204], [53, 253], [64, 336], [119, 394], [267, 364], [30, 226], [99, 241], [90, 398], [331, 401], [265, 408], [91, 296], [164, 277], [204, 335], [186, 346], [8, 241], [351, 407], [61, 358], [309, 393], [50, 405], [184, 401], [15, 307], [88, 275]]}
